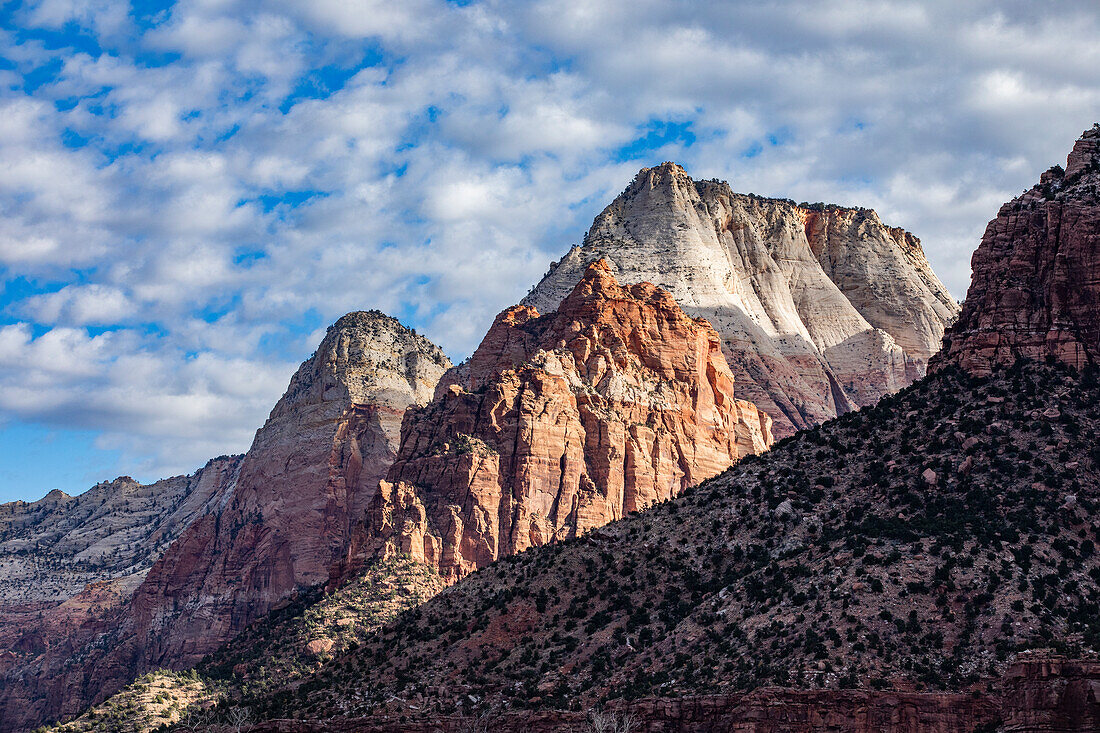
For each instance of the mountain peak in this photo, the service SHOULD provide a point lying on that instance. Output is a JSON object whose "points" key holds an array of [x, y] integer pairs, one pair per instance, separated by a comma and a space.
{"points": [[1036, 285], [668, 168], [499, 461], [1085, 156], [356, 319], [820, 308], [667, 176]]}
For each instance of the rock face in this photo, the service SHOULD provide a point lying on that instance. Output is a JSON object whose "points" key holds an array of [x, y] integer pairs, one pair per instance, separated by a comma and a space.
{"points": [[820, 308], [1044, 694], [1035, 289], [563, 422], [1051, 694], [303, 485], [282, 521], [826, 562], [113, 533], [769, 710]]}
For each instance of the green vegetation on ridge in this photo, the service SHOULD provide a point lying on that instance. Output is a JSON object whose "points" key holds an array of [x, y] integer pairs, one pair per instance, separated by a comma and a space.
{"points": [[918, 544]]}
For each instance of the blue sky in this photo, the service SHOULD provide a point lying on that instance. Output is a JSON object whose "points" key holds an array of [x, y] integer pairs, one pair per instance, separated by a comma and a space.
{"points": [[190, 192]]}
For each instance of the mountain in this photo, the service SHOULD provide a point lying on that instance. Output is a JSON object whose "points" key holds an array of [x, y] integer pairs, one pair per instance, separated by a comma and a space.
{"points": [[606, 401], [560, 423], [915, 546], [1036, 286], [557, 424], [295, 639], [821, 309], [282, 523], [308, 477], [61, 554], [942, 543]]}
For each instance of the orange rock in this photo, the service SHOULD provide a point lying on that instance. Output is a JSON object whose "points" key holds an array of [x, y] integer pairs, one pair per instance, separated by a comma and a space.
{"points": [[561, 423], [317, 647]]}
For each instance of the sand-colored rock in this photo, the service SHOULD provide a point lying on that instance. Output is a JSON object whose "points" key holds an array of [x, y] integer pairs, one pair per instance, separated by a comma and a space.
{"points": [[560, 423], [1035, 289], [820, 308]]}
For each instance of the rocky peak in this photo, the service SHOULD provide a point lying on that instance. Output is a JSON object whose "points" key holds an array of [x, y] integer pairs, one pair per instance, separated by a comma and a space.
{"points": [[52, 548], [311, 471], [1085, 157], [560, 423], [665, 179], [366, 356], [820, 308], [1035, 288], [280, 522]]}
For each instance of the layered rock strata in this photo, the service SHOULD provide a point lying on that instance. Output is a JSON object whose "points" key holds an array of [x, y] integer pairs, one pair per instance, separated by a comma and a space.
{"points": [[1035, 289], [109, 536], [820, 308], [283, 522], [562, 422], [307, 479]]}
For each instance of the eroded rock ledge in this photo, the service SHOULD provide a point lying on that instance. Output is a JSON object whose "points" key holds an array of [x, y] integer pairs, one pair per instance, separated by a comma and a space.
{"points": [[1043, 694]]}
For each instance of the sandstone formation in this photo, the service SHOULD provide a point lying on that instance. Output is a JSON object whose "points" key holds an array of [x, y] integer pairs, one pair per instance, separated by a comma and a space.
{"points": [[769, 710], [826, 564], [820, 308], [284, 519], [1035, 289], [1051, 694], [562, 422], [108, 536], [303, 485]]}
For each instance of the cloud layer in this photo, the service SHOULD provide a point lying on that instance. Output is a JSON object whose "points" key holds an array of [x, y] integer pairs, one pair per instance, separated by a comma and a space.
{"points": [[190, 191]]}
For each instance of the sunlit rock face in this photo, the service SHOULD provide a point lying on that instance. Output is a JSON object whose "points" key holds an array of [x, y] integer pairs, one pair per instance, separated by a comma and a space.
{"points": [[1035, 289], [273, 522], [563, 422], [821, 309], [310, 473]]}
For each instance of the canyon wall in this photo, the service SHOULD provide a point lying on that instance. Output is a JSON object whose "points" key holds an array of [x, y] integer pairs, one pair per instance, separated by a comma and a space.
{"points": [[1039, 694]]}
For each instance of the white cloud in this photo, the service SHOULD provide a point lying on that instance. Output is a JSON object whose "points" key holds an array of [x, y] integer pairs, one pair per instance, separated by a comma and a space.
{"points": [[81, 305], [435, 157], [168, 411]]}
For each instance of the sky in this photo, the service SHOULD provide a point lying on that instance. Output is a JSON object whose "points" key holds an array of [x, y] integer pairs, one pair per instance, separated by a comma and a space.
{"points": [[192, 191]]}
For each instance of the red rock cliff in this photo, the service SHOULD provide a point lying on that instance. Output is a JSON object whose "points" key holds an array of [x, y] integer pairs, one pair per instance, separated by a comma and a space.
{"points": [[1035, 291], [287, 518], [560, 423]]}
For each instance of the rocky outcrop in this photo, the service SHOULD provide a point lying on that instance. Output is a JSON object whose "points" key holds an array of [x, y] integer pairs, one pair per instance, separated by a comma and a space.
{"points": [[285, 518], [560, 423], [1035, 289], [109, 536], [820, 308], [1051, 694], [307, 479], [1044, 694], [769, 710], [827, 562]]}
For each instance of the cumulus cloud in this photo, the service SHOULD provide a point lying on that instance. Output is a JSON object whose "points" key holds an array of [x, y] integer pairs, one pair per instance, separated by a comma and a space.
{"points": [[81, 305], [188, 198]]}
